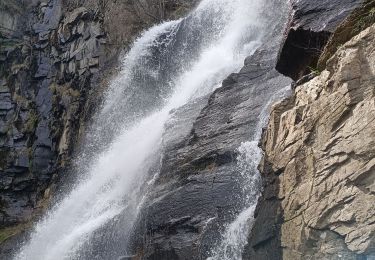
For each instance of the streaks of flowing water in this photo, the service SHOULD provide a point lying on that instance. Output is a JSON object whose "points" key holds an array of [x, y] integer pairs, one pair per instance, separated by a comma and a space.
{"points": [[236, 234], [168, 66]]}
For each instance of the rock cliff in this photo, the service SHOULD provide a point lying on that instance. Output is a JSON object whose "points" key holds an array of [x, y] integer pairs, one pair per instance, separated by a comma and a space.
{"points": [[49, 64], [198, 190], [318, 198], [56, 58], [321, 144]]}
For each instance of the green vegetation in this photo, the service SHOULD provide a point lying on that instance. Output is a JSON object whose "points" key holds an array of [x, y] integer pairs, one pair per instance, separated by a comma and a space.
{"points": [[365, 21], [20, 100], [6, 233], [8, 44], [316, 71], [17, 67], [180, 11]]}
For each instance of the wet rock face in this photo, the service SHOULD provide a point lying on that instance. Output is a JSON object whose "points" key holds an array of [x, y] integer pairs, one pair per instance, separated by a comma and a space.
{"points": [[123, 20], [324, 15], [199, 186], [311, 25], [54, 60], [319, 147], [44, 79]]}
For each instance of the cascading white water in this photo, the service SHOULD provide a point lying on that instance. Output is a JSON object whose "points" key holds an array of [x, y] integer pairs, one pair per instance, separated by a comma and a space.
{"points": [[168, 66], [236, 233]]}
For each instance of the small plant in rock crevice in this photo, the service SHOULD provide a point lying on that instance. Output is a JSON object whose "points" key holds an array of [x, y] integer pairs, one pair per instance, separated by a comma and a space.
{"points": [[314, 71]]}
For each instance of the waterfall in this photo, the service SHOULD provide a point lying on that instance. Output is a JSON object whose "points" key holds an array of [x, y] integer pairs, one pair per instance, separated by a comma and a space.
{"points": [[168, 66], [236, 233]]}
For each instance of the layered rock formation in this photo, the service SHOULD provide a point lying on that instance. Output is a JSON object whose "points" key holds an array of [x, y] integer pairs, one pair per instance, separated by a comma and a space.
{"points": [[318, 199], [55, 61], [321, 144], [45, 77]]}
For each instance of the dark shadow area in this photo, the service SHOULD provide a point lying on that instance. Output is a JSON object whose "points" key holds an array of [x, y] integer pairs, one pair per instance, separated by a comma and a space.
{"points": [[301, 52]]}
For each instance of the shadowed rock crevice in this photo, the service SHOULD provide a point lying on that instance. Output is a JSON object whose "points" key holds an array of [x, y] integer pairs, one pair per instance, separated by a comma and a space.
{"points": [[311, 26], [301, 52]]}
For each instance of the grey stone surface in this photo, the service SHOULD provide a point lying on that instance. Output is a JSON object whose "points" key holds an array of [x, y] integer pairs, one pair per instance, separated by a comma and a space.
{"points": [[198, 189], [323, 15], [51, 14], [266, 240], [54, 66]]}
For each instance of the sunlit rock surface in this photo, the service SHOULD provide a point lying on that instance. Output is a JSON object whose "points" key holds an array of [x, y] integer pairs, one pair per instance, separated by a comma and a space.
{"points": [[319, 149]]}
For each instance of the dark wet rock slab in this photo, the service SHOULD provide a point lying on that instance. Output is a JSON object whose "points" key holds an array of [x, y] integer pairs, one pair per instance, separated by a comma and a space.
{"points": [[56, 58], [198, 187], [311, 25], [323, 15], [186, 214]]}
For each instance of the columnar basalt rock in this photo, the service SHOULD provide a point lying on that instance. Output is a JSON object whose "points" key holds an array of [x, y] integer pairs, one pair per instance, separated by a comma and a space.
{"points": [[319, 148]]}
